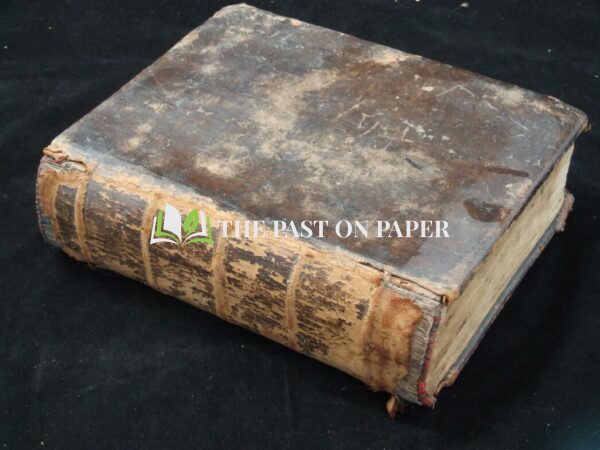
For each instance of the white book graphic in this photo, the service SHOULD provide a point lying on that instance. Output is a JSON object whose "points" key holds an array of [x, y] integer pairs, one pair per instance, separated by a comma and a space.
{"points": [[172, 222], [167, 227]]}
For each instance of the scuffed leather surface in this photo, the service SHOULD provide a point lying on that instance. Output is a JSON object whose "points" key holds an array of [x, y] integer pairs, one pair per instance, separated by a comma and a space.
{"points": [[286, 120]]}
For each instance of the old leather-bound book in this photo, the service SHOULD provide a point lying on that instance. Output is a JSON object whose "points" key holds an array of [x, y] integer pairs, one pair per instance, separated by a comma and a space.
{"points": [[254, 118]]}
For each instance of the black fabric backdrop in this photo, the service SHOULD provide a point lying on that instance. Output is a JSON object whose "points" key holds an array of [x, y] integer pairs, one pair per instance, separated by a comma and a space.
{"points": [[91, 359]]}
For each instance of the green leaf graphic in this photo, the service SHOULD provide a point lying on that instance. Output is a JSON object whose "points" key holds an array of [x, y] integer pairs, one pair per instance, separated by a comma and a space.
{"points": [[191, 222], [206, 240]]}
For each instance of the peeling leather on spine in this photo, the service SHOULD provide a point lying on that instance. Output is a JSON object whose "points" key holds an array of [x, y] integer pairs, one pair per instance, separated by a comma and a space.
{"points": [[57, 153]]}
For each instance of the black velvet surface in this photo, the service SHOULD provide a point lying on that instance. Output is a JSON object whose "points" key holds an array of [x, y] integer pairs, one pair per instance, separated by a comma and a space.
{"points": [[93, 360]]}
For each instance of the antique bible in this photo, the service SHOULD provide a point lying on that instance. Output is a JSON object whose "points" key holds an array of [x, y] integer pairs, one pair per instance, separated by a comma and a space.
{"points": [[259, 119]]}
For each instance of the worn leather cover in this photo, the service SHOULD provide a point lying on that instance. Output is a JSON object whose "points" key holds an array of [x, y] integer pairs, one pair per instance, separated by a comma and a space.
{"points": [[254, 115]]}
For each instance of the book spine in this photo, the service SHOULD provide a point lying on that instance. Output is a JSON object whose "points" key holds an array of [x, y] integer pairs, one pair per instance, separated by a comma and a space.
{"points": [[315, 300]]}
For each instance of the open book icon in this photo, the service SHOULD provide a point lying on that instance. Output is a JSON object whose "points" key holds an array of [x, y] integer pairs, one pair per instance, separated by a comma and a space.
{"points": [[167, 227]]}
